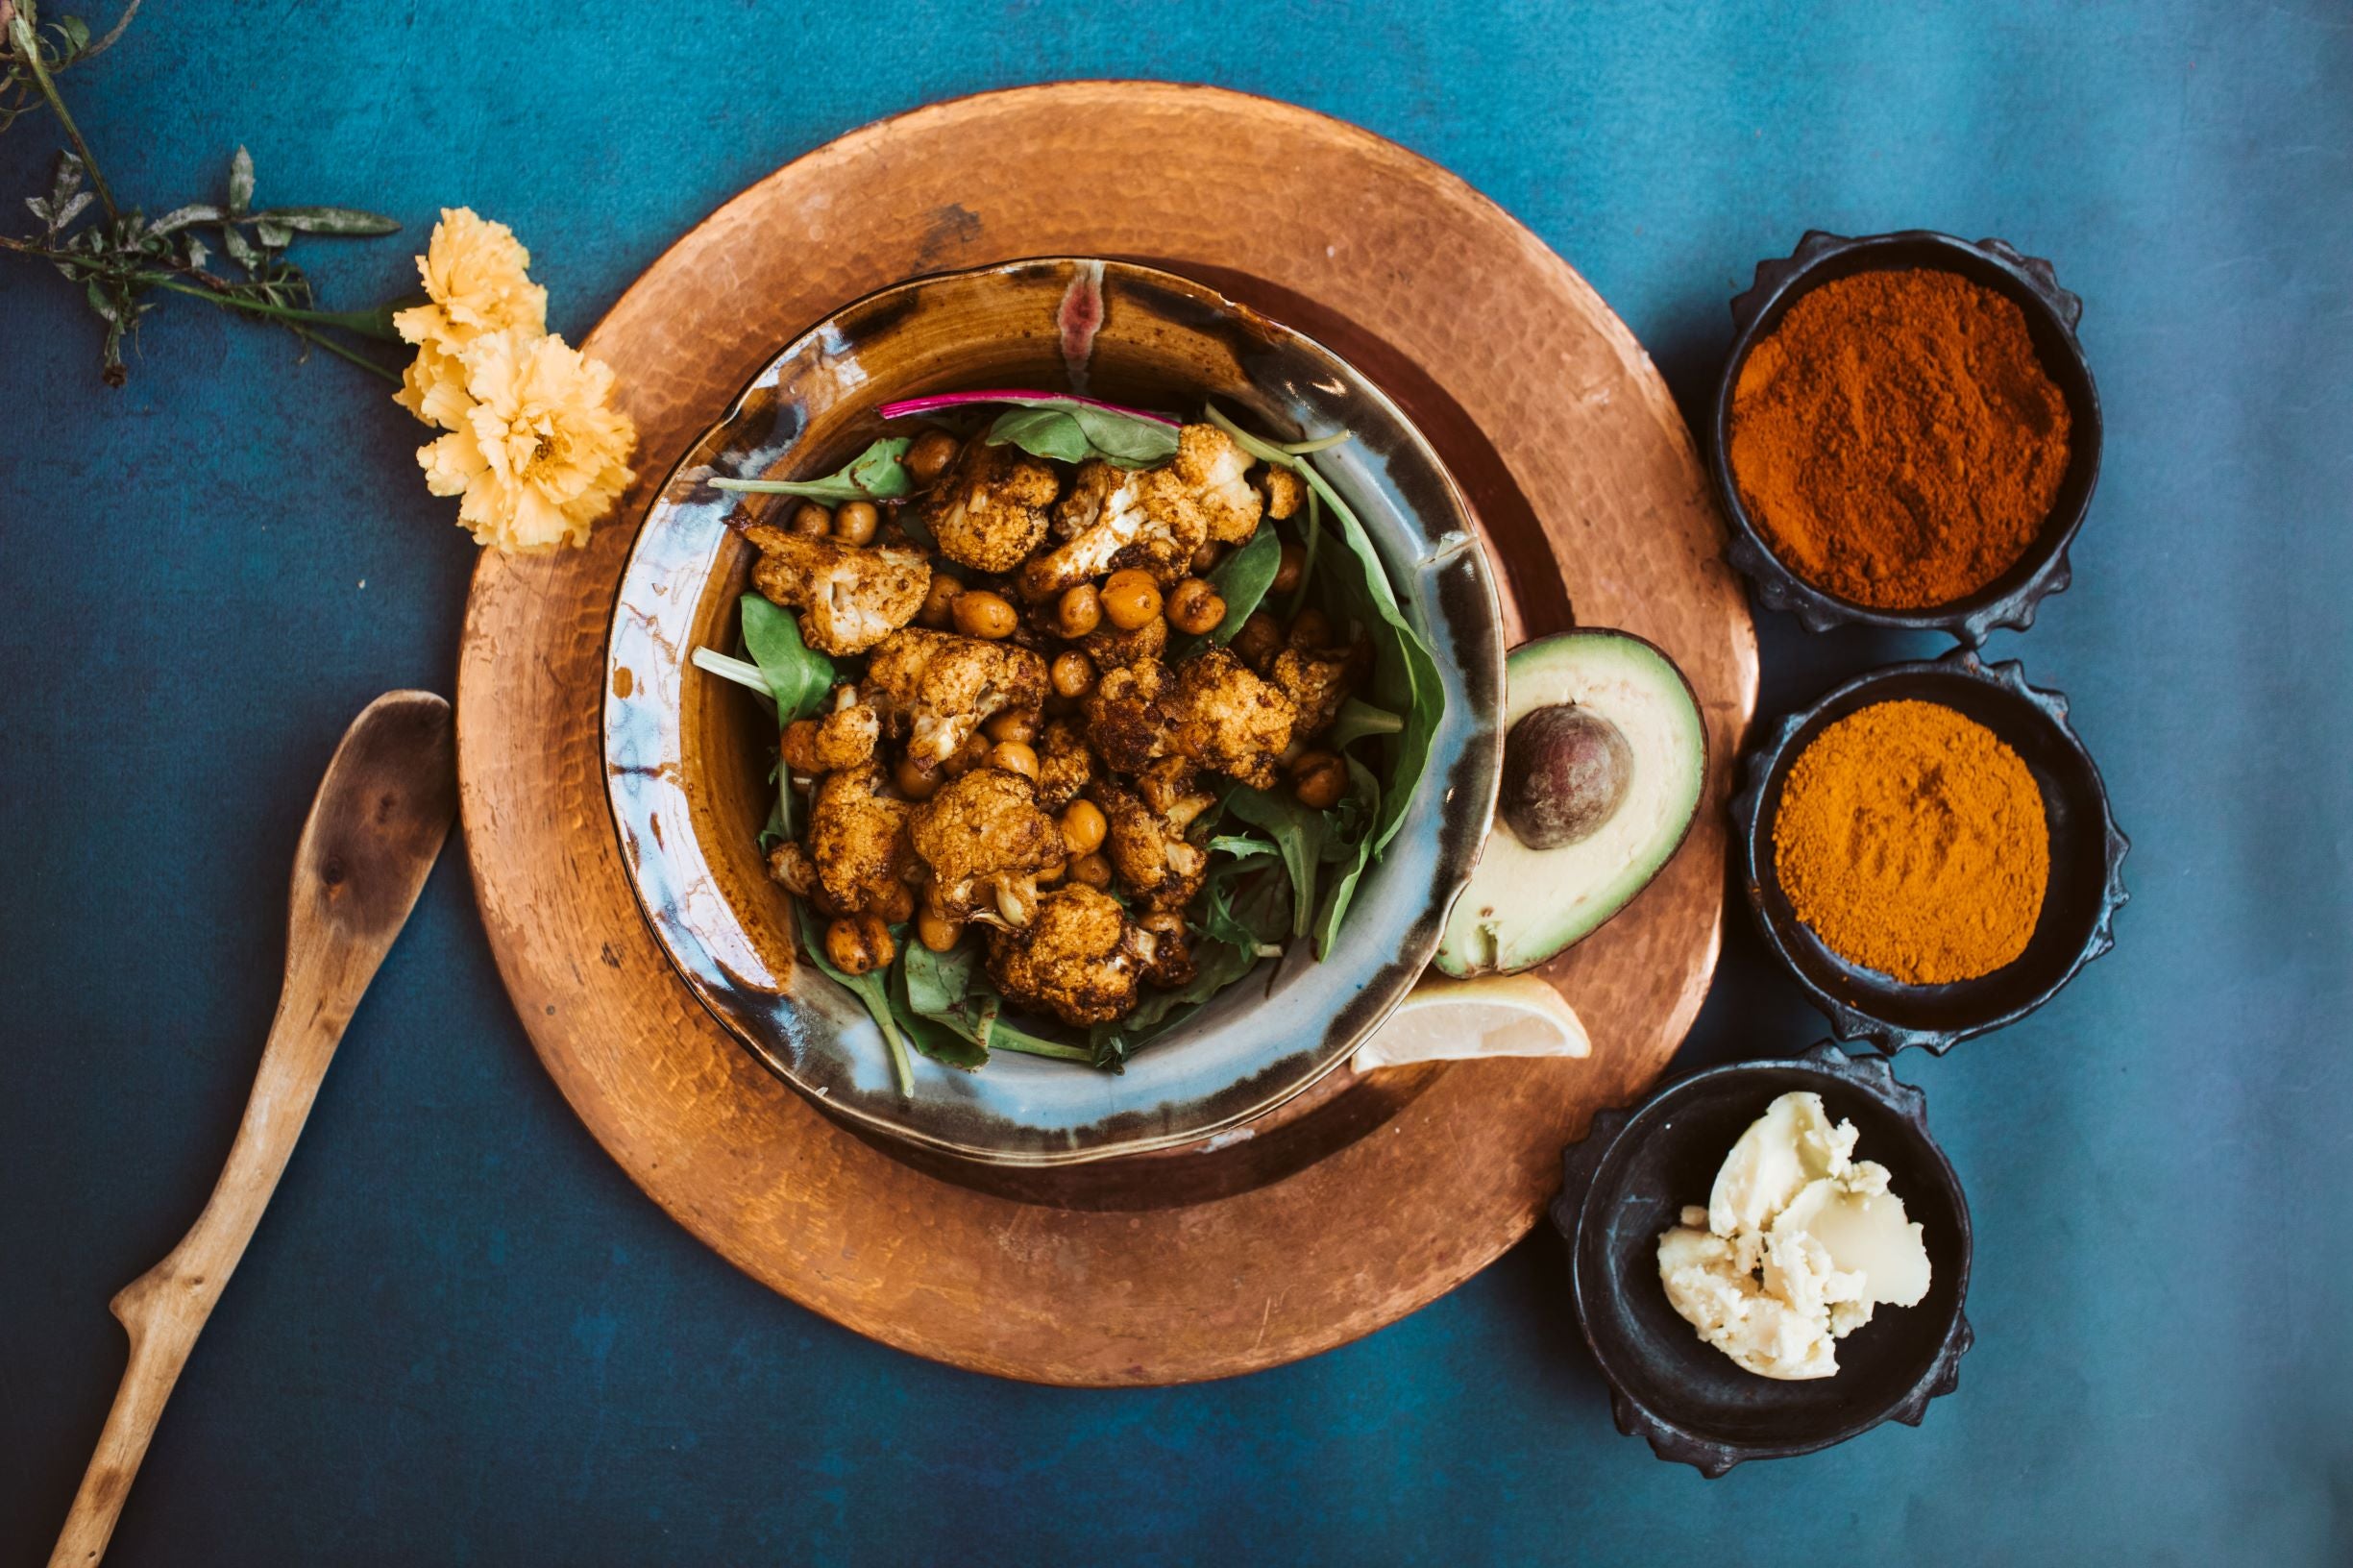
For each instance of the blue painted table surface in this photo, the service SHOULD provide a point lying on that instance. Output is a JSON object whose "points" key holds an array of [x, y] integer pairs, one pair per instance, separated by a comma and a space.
{"points": [[462, 1336]]}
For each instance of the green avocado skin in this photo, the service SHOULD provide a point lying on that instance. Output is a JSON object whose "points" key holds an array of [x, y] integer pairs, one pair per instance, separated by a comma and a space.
{"points": [[1524, 903]]}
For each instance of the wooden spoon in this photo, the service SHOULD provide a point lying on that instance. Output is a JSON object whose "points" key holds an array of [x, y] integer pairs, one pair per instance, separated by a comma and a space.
{"points": [[378, 821]]}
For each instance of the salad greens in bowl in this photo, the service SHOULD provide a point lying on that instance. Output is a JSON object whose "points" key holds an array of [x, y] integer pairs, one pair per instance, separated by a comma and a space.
{"points": [[1052, 714]]}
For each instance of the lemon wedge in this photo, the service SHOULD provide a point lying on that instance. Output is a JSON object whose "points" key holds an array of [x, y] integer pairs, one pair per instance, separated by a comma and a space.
{"points": [[1452, 1021]]}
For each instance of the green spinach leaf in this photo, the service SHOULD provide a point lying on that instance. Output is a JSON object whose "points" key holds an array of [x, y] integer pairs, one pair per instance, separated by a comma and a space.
{"points": [[873, 989], [1358, 718], [876, 474], [1355, 815], [1241, 580], [947, 989], [1043, 433], [799, 677], [1298, 833]]}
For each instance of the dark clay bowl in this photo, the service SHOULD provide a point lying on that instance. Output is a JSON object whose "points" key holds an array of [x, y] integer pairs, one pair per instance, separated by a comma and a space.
{"points": [[2086, 854], [2051, 314], [1627, 1181]]}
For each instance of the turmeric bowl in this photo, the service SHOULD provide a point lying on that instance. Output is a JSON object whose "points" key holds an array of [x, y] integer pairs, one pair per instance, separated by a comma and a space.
{"points": [[2051, 313], [2085, 887]]}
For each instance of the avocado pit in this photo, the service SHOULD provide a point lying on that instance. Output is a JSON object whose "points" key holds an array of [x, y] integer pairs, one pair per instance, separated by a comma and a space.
{"points": [[1566, 772]]}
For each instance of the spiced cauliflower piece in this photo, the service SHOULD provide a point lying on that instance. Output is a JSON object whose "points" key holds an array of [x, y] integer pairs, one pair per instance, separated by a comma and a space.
{"points": [[849, 596], [843, 738], [1230, 721], [937, 687], [1079, 958], [858, 854], [1065, 764], [983, 841], [1148, 849], [1151, 519], [990, 510], [1129, 715], [1317, 681], [1283, 490]]}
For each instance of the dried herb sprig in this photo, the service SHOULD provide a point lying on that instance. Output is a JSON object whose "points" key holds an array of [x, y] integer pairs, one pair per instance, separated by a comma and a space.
{"points": [[118, 256]]}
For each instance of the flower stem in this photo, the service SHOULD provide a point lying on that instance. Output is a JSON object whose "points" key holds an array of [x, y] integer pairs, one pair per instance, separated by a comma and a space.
{"points": [[368, 322], [29, 49]]}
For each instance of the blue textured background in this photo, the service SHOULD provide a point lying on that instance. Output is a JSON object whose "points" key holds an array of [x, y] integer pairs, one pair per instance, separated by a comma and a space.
{"points": [[462, 1336]]}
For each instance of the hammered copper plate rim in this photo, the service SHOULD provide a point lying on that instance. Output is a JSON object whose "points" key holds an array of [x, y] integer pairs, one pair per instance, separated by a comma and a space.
{"points": [[765, 1171]]}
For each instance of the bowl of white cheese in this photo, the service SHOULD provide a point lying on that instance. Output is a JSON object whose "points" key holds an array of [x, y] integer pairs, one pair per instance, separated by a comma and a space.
{"points": [[1768, 1258]]}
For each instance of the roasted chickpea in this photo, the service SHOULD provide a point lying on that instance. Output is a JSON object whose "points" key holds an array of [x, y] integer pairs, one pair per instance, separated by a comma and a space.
{"points": [[936, 931], [811, 518], [928, 456], [854, 521], [1012, 724], [799, 746], [940, 602], [1055, 872], [1082, 826], [1206, 558], [1293, 562], [1079, 612], [981, 613], [1093, 869], [1260, 639], [894, 903], [915, 781], [964, 758], [859, 943], [1318, 778], [1130, 599], [1015, 758], [1312, 628], [1194, 607], [1073, 675]]}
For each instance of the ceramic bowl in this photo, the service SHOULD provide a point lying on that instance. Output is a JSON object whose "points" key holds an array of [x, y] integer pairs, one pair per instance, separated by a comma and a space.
{"points": [[1630, 1179], [688, 756], [2051, 314], [2087, 856]]}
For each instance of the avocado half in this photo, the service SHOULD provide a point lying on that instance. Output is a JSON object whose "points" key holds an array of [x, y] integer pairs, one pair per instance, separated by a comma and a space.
{"points": [[1523, 904]]}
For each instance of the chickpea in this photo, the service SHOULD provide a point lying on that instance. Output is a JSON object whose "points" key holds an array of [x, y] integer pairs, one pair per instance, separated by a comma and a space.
{"points": [[812, 520], [1312, 628], [1293, 561], [1015, 758], [854, 521], [894, 903], [936, 931], [1093, 869], [964, 758], [1012, 724], [1131, 598], [940, 601], [981, 613], [928, 456], [1259, 640], [1073, 675], [799, 746], [859, 943], [1318, 778], [1194, 607], [1206, 558], [1079, 612], [1055, 872], [915, 781], [1082, 826]]}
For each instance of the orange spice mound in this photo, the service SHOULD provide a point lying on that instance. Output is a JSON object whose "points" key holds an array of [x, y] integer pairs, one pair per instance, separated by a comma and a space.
{"points": [[1912, 841], [1896, 439]]}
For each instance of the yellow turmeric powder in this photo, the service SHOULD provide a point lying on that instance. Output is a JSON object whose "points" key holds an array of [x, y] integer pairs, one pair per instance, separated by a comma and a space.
{"points": [[1912, 841]]}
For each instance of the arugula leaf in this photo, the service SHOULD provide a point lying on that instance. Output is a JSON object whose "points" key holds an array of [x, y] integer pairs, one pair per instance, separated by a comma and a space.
{"points": [[798, 677], [876, 474], [1241, 846], [1362, 805], [1358, 718], [873, 989], [1298, 832]]}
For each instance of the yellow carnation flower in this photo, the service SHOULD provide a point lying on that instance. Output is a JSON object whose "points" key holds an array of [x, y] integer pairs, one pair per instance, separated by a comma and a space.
{"points": [[476, 276], [539, 457]]}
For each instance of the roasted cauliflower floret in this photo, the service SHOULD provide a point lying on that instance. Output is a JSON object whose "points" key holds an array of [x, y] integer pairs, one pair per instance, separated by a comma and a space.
{"points": [[1066, 764], [1228, 719], [857, 845], [1129, 714], [1153, 518], [1150, 852], [1078, 959], [983, 841], [1109, 646], [1317, 681], [990, 510], [843, 738], [849, 597], [1284, 491], [935, 688]]}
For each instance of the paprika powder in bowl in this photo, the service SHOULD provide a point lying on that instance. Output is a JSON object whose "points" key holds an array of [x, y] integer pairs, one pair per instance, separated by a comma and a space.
{"points": [[1921, 905], [1907, 433]]}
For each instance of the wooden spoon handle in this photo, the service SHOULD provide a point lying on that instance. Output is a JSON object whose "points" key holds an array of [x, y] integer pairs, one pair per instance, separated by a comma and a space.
{"points": [[371, 835]]}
